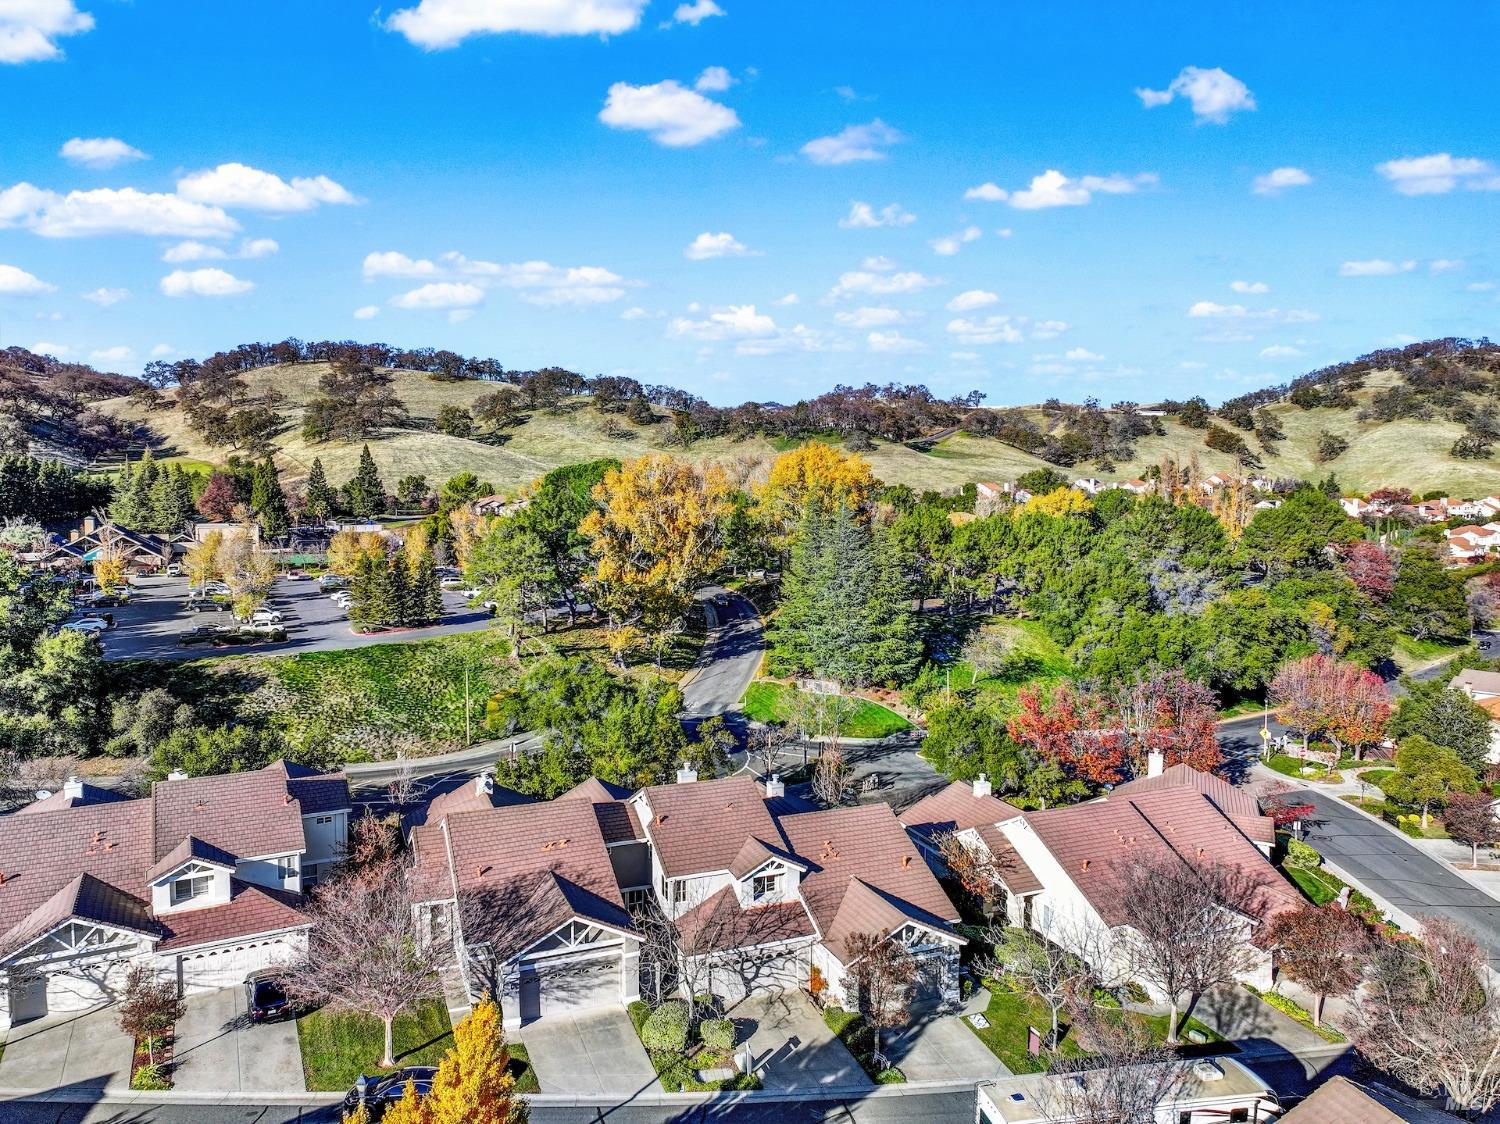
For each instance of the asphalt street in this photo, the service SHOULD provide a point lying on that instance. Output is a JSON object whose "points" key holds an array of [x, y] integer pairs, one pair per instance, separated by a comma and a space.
{"points": [[730, 659]]}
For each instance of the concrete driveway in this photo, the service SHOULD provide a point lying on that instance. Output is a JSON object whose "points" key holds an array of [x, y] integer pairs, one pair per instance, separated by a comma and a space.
{"points": [[596, 1054], [940, 1048], [791, 1045], [78, 1052], [220, 1051]]}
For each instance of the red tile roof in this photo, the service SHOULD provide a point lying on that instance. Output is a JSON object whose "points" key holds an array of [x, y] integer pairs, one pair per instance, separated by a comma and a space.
{"points": [[247, 814], [718, 923], [61, 801], [190, 848], [955, 808], [249, 911], [87, 898], [1238, 804], [700, 827], [467, 797], [1341, 1101], [1017, 876]]}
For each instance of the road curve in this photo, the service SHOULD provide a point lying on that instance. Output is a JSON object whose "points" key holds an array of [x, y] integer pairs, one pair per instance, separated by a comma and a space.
{"points": [[730, 659]]}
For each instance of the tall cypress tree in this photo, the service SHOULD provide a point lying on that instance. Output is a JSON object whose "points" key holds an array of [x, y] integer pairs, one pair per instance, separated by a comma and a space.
{"points": [[366, 596], [427, 592], [366, 491], [397, 589], [268, 500], [321, 498]]}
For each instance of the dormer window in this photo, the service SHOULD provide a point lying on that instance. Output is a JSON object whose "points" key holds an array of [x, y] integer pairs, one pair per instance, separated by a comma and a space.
{"points": [[765, 886], [188, 889]]}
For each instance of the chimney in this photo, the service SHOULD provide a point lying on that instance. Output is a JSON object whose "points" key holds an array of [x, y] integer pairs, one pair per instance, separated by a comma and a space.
{"points": [[90, 524], [176, 775], [687, 774], [982, 786], [484, 784], [1154, 763], [73, 788], [775, 787]]}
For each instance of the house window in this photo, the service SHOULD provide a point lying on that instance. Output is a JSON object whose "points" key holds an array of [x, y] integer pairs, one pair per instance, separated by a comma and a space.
{"points": [[186, 889], [634, 899], [765, 886], [323, 820], [679, 891], [286, 868]]}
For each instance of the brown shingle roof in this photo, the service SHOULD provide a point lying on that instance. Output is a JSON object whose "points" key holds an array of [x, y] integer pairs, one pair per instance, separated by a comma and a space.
{"points": [[1017, 876], [755, 853], [618, 822], [700, 827], [467, 798], [1100, 842], [250, 910], [190, 848], [865, 845], [955, 808], [318, 793], [60, 801], [1341, 1101], [718, 923], [1238, 804], [247, 814], [600, 792], [87, 898]]}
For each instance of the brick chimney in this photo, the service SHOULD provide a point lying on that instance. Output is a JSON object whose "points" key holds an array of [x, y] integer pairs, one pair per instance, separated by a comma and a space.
{"points": [[1155, 763], [775, 787], [982, 786], [687, 774]]}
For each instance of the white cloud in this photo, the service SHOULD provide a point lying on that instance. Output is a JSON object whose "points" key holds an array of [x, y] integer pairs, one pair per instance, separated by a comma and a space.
{"points": [[203, 283], [874, 317], [199, 251], [393, 263], [1082, 355], [696, 12], [892, 342], [259, 248], [971, 299], [1445, 265], [117, 354], [789, 299], [1249, 287], [862, 216], [950, 244], [239, 185], [879, 263], [17, 282], [438, 24], [672, 114], [47, 347], [440, 294], [988, 193], [1214, 94], [543, 283], [1279, 351], [1480, 286], [735, 322], [29, 28], [110, 211], [99, 152], [1278, 180], [880, 284], [1212, 310], [162, 350], [1439, 174], [459, 315], [990, 329], [367, 312], [721, 245], [1048, 329], [713, 80], [1053, 189], [1375, 267], [634, 313], [104, 298], [856, 143]]}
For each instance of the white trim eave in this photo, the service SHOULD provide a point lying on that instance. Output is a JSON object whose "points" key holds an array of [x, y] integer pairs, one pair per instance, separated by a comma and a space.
{"points": [[19, 954], [231, 941], [625, 933]]}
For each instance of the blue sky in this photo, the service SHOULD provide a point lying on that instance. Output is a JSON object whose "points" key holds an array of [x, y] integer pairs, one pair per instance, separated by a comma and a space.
{"points": [[752, 198]]}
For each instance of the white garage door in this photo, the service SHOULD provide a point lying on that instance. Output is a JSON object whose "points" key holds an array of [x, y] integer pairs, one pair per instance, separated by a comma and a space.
{"points": [[228, 967], [564, 989], [779, 971], [61, 993]]}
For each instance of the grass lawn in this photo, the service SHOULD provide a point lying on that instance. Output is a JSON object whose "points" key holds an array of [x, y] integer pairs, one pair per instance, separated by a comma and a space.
{"points": [[1377, 777], [1293, 766], [520, 1067], [337, 1048], [1011, 1013], [766, 701], [1410, 654], [1037, 659], [1242, 708]]}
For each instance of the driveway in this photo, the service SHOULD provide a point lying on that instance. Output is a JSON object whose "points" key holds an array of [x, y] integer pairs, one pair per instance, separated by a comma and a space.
{"points": [[730, 658], [792, 1047], [591, 1055], [938, 1047], [79, 1051], [220, 1051]]}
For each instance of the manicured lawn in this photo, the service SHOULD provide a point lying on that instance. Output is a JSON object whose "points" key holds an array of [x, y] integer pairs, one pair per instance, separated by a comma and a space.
{"points": [[1293, 766], [1411, 654], [1377, 777], [1035, 655], [1011, 1013], [1243, 707], [520, 1066], [337, 1048], [766, 701]]}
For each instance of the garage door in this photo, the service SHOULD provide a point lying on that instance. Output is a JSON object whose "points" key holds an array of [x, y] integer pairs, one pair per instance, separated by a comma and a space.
{"points": [[770, 972], [569, 988], [61, 993], [932, 972], [228, 967]]}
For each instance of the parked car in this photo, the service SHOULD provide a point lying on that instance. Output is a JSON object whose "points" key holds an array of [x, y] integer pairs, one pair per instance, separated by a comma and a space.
{"points": [[453, 582], [342, 598], [174, 570], [331, 581], [108, 600], [196, 604], [90, 626], [266, 998], [378, 1094], [202, 634], [470, 593], [297, 575], [265, 615]]}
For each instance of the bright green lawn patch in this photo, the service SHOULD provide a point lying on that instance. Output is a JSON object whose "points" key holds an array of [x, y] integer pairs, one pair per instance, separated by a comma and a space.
{"points": [[1293, 766], [1410, 654], [520, 1068], [1242, 708], [854, 1031], [1297, 1012], [1035, 657], [1377, 777], [337, 1048], [766, 701]]}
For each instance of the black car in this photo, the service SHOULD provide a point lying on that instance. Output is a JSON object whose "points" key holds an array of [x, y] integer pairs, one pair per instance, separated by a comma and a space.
{"points": [[379, 1093], [266, 998], [203, 634]]}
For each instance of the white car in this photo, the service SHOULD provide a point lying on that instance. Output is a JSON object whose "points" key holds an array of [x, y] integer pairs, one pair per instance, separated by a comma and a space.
{"points": [[91, 626], [342, 599], [451, 583], [470, 593], [264, 615], [174, 570]]}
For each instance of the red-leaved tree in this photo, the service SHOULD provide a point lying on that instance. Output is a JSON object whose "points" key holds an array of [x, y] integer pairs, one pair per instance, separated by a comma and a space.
{"points": [[1469, 818], [1322, 947], [218, 500], [1370, 568], [1346, 703]]}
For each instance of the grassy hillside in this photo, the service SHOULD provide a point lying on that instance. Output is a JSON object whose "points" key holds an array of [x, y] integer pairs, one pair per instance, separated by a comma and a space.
{"points": [[1405, 453]]}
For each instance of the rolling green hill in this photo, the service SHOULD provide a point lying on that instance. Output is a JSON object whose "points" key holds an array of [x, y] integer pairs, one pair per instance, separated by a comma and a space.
{"points": [[1406, 453]]}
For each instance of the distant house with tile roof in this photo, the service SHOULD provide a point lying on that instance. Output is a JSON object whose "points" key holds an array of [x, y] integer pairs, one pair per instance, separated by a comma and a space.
{"points": [[202, 879], [1065, 871], [1341, 1101]]}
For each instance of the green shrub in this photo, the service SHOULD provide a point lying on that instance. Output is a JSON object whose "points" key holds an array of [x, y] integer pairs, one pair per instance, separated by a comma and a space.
{"points": [[717, 1034], [707, 1006], [667, 1028], [1302, 855], [150, 1078], [639, 1012], [851, 1029], [890, 1075]]}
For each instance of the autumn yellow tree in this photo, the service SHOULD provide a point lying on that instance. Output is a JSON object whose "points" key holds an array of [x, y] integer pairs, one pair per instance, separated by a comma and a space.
{"points": [[658, 533], [248, 569], [467, 528], [348, 548], [202, 559], [109, 567], [813, 473], [473, 1084], [1063, 501], [416, 546]]}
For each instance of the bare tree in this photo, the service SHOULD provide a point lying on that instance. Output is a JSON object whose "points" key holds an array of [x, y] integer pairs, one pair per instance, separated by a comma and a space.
{"points": [[1430, 1016], [1188, 929], [1469, 818], [765, 746], [1322, 947], [880, 982], [831, 777], [1122, 1080], [1060, 977], [366, 951]]}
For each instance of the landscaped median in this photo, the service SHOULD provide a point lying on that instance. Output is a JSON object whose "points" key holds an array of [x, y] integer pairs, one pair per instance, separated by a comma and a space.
{"points": [[771, 702], [689, 1058], [858, 1036]]}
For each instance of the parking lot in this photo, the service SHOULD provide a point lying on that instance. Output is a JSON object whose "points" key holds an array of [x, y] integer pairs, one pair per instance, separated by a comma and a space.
{"points": [[150, 626]]}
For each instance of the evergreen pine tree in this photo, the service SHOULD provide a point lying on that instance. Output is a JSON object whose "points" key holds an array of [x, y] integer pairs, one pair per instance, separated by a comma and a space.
{"points": [[791, 627], [427, 592], [320, 497], [894, 646], [397, 583], [269, 501], [366, 491], [365, 594]]}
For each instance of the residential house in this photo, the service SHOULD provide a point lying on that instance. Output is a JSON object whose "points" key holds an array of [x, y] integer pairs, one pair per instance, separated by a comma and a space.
{"points": [[1341, 1101], [1466, 509], [1491, 706], [92, 538], [991, 490], [1429, 511], [1215, 483], [1477, 684], [1261, 483], [1216, 1089], [491, 505], [1137, 487], [202, 880], [1066, 871], [1356, 508], [1090, 485]]}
